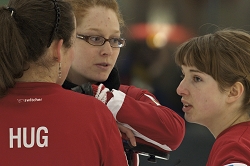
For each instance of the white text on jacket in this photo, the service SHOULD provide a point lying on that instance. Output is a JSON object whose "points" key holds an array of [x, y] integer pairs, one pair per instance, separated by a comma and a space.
{"points": [[19, 137]]}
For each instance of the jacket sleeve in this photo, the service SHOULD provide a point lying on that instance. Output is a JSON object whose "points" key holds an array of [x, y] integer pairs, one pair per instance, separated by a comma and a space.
{"points": [[140, 111]]}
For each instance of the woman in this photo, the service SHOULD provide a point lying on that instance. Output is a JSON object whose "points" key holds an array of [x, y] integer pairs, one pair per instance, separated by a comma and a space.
{"points": [[215, 92], [97, 47], [40, 122]]}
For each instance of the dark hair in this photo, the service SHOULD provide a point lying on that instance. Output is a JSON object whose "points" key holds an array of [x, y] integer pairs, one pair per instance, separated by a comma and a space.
{"points": [[224, 55], [27, 26]]}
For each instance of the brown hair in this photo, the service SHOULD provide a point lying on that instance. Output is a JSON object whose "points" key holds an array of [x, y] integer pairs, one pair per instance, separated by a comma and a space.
{"points": [[224, 55], [81, 8], [27, 26]]}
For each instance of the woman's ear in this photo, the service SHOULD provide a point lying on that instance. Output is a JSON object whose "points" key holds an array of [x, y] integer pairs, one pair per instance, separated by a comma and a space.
{"points": [[235, 92], [58, 50]]}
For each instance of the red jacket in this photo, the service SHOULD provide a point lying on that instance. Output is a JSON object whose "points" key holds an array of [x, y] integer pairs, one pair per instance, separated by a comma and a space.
{"points": [[44, 124], [139, 110], [232, 146], [152, 123]]}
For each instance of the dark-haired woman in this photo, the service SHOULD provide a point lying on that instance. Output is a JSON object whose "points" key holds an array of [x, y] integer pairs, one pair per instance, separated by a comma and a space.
{"points": [[40, 122]]}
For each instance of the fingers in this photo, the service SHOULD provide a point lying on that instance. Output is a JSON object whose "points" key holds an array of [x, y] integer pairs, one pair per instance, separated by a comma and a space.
{"points": [[129, 133]]}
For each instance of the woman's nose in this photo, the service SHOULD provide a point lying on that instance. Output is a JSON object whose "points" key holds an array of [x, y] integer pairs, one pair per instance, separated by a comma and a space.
{"points": [[181, 90], [107, 49]]}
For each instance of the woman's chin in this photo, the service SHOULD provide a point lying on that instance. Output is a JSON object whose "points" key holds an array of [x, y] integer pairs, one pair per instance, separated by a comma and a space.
{"points": [[100, 79], [189, 118]]}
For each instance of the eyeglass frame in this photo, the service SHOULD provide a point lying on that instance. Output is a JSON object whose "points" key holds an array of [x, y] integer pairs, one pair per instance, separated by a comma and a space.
{"points": [[87, 37]]}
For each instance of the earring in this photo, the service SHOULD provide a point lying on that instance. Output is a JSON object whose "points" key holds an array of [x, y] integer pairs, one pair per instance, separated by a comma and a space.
{"points": [[60, 70]]}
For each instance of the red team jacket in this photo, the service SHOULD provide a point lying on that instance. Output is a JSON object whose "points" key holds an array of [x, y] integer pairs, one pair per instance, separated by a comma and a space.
{"points": [[139, 110], [44, 124], [154, 123], [232, 147]]}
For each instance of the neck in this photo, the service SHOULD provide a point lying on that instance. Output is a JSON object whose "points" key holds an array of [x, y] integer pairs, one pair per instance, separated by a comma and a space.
{"points": [[223, 124], [37, 74], [77, 78]]}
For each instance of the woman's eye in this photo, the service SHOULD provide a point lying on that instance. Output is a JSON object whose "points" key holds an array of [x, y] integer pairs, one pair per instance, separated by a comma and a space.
{"points": [[96, 38], [197, 79], [115, 40]]}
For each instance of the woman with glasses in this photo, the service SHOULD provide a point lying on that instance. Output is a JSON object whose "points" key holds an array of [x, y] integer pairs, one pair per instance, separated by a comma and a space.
{"points": [[97, 47], [41, 123]]}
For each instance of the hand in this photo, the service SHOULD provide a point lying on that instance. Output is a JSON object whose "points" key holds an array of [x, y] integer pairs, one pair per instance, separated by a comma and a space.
{"points": [[102, 93], [128, 133]]}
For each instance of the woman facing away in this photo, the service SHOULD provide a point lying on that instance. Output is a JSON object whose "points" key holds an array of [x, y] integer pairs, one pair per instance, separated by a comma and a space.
{"points": [[97, 47], [215, 92], [40, 122]]}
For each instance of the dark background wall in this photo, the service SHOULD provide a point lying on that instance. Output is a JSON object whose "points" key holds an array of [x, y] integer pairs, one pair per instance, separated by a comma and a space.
{"points": [[3, 2]]}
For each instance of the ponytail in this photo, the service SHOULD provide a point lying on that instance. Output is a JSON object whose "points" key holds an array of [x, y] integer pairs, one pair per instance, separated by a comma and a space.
{"points": [[13, 51]]}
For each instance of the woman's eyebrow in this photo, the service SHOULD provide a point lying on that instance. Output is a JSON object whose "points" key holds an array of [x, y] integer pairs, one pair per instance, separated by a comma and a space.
{"points": [[194, 70]]}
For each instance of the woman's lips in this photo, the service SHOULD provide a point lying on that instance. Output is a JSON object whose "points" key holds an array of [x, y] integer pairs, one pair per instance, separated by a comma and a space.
{"points": [[103, 65], [186, 107]]}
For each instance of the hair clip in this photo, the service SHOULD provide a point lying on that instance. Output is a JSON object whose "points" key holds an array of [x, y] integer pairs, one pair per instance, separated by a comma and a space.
{"points": [[12, 10], [58, 14]]}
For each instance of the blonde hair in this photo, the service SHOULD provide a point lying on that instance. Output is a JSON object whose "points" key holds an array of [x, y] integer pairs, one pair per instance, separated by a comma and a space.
{"points": [[81, 8]]}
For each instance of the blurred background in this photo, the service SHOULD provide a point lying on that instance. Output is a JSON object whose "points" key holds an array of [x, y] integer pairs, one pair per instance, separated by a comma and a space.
{"points": [[154, 28]]}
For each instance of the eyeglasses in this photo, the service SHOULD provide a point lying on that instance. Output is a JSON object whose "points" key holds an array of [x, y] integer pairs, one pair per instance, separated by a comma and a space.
{"points": [[99, 41]]}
